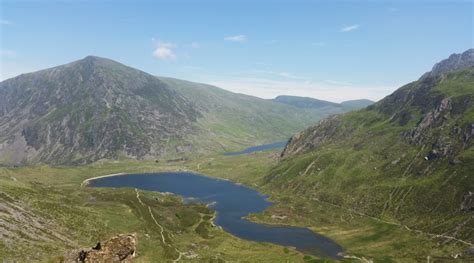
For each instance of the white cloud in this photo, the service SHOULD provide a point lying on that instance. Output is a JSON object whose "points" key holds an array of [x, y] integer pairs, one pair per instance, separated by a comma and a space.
{"points": [[164, 50], [350, 28], [5, 22], [237, 38]]}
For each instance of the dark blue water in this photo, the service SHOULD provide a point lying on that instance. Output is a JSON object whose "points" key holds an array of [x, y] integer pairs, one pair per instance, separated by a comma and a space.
{"points": [[259, 148], [232, 202]]}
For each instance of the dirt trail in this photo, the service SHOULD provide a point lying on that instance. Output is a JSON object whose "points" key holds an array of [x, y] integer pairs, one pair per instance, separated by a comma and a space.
{"points": [[162, 230]]}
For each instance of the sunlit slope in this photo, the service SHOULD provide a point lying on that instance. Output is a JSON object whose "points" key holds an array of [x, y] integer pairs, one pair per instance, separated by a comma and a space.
{"points": [[407, 159], [96, 108]]}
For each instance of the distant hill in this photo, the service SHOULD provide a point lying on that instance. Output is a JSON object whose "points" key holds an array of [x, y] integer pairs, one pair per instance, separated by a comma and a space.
{"points": [[305, 102], [97, 108], [356, 104], [317, 107], [408, 158]]}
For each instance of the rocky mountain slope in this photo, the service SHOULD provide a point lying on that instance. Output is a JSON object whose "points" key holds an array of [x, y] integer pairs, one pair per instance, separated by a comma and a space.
{"points": [[96, 108], [408, 159], [87, 110]]}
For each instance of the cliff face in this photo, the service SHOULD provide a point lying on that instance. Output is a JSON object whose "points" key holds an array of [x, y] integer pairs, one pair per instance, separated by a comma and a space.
{"points": [[408, 157]]}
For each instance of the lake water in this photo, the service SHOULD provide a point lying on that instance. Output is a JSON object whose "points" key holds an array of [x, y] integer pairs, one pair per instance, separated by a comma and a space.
{"points": [[232, 203], [259, 148]]}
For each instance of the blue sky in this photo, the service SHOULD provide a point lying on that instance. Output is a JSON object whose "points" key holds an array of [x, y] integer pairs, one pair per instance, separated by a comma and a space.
{"points": [[333, 50]]}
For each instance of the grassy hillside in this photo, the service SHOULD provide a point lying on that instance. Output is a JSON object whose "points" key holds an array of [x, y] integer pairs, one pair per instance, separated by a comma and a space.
{"points": [[321, 108], [46, 213], [234, 121], [407, 160]]}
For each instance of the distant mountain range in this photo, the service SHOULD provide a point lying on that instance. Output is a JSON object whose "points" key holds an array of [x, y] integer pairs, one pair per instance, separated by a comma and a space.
{"points": [[321, 108], [96, 108], [407, 159], [311, 103]]}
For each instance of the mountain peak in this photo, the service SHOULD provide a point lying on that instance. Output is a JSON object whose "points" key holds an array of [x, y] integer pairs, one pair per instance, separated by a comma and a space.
{"points": [[95, 60], [452, 63]]}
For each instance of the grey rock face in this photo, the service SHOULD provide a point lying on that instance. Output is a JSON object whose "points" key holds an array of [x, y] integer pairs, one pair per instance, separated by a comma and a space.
{"points": [[453, 63], [312, 137]]}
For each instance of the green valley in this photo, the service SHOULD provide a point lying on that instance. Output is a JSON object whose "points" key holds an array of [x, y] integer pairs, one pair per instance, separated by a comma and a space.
{"points": [[236, 131], [54, 199]]}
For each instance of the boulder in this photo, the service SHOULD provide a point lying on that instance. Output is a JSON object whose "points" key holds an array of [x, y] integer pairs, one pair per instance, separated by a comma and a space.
{"points": [[120, 248]]}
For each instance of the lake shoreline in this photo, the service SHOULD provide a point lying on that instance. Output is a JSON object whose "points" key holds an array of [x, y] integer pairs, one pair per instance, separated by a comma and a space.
{"points": [[86, 182], [231, 213]]}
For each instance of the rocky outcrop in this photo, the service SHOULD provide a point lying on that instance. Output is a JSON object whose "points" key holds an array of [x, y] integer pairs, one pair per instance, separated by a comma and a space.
{"points": [[430, 120], [468, 202], [453, 63], [121, 248], [312, 137]]}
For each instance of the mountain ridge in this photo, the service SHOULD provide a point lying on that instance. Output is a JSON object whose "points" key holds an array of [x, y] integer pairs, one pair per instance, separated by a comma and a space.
{"points": [[96, 108], [405, 159], [452, 63], [313, 103]]}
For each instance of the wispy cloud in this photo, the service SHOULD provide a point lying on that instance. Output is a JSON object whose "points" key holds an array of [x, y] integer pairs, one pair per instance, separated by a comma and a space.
{"points": [[350, 28], [237, 38], [5, 22], [288, 75], [269, 84], [164, 50]]}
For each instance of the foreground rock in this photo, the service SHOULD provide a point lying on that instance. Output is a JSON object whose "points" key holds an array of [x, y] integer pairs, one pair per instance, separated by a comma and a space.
{"points": [[120, 248]]}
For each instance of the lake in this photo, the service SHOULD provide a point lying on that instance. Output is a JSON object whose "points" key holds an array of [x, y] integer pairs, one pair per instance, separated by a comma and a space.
{"points": [[259, 148], [232, 202]]}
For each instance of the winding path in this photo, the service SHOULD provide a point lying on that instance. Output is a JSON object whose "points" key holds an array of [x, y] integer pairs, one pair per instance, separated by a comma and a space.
{"points": [[162, 230]]}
